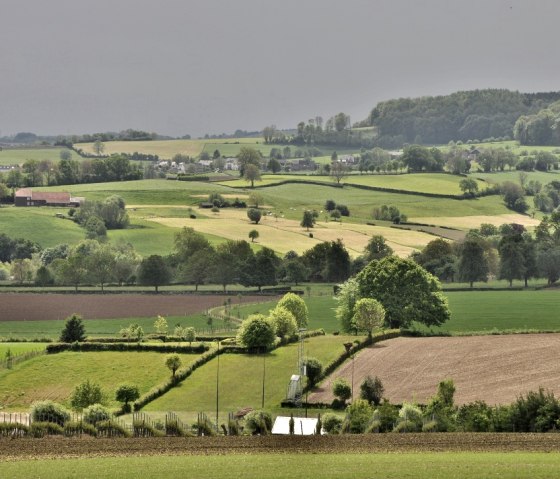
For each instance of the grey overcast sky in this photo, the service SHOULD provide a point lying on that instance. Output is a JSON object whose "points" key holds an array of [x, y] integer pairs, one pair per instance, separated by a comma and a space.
{"points": [[213, 66]]}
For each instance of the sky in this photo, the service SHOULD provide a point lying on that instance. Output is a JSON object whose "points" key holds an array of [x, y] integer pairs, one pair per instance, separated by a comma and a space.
{"points": [[181, 67]]}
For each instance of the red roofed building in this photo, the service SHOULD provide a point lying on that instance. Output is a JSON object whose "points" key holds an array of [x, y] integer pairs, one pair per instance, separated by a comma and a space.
{"points": [[27, 197]]}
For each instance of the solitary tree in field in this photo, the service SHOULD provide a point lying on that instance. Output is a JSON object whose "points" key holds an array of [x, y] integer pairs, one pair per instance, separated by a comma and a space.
{"points": [[253, 234], [308, 220], [73, 330], [254, 215], [468, 186], [173, 362], [252, 173], [160, 325], [127, 393], [98, 147]]}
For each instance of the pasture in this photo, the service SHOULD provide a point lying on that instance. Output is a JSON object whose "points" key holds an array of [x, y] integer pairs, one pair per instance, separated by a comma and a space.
{"points": [[18, 156], [55, 376], [494, 369], [433, 183], [241, 379], [295, 462]]}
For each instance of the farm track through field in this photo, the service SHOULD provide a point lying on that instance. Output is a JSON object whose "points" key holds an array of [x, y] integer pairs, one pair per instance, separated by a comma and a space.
{"points": [[495, 369], [59, 447], [37, 307]]}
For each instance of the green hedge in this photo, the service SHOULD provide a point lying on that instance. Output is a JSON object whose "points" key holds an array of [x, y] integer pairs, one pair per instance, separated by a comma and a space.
{"points": [[159, 348]]}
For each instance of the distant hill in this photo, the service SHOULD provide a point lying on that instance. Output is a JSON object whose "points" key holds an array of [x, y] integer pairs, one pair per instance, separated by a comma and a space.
{"points": [[464, 115]]}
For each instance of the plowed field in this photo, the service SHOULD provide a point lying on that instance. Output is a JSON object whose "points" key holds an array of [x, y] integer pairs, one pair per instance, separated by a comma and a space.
{"points": [[437, 442], [36, 307], [496, 369]]}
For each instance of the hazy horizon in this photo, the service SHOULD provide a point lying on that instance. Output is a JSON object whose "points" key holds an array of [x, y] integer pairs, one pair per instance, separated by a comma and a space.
{"points": [[209, 66]]}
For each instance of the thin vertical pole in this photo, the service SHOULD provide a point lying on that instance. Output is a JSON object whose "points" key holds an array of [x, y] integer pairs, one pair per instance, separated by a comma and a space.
{"points": [[218, 386]]}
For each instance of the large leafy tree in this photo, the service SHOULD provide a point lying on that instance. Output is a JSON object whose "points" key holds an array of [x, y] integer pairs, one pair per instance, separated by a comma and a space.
{"points": [[406, 290], [256, 333], [154, 272], [295, 305], [472, 262]]}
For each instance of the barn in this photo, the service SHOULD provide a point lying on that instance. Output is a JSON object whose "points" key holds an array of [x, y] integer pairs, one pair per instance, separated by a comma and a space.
{"points": [[27, 197]]}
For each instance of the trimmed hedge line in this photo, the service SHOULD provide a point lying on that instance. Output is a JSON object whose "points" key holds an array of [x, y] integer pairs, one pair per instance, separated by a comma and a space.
{"points": [[159, 348], [184, 177]]}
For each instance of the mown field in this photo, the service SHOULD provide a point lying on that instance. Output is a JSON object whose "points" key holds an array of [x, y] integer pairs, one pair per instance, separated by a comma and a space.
{"points": [[19, 348], [432, 183], [55, 376], [18, 156], [241, 379]]}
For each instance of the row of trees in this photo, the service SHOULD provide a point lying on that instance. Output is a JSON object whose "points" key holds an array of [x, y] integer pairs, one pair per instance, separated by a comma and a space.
{"points": [[68, 171]]}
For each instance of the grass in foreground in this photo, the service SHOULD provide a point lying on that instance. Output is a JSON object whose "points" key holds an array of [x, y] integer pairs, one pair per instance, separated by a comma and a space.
{"points": [[263, 466]]}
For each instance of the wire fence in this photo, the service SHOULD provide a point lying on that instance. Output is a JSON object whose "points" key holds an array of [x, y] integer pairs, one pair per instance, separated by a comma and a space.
{"points": [[8, 362]]}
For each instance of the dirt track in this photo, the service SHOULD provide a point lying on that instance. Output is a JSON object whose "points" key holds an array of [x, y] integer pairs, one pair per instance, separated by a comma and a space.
{"points": [[496, 369], [28, 448], [37, 307]]}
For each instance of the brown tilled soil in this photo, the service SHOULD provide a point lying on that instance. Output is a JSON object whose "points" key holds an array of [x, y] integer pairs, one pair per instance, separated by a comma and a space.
{"points": [[26, 448], [36, 307], [495, 369]]}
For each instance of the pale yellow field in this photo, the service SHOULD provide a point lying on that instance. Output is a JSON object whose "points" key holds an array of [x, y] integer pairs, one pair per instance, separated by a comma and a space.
{"points": [[283, 235], [470, 222]]}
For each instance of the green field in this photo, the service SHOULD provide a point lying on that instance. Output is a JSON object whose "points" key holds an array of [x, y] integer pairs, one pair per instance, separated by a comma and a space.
{"points": [[542, 176], [241, 378], [471, 311], [433, 183], [18, 156], [421, 465], [19, 348], [101, 327], [55, 376]]}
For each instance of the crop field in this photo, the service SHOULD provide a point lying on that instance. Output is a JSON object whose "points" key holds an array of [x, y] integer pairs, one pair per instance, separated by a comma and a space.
{"points": [[18, 156], [423, 456], [37, 307], [55, 376], [495, 369], [421, 182], [241, 378], [471, 222]]}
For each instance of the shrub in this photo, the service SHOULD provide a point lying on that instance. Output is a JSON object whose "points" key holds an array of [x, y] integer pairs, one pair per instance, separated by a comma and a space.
{"points": [[430, 426], [256, 333], [341, 389], [86, 394], [332, 423], [142, 428], [49, 411], [42, 429], [358, 416], [13, 429], [314, 369], [410, 418], [112, 429], [96, 413], [371, 390], [173, 362], [343, 209], [259, 422], [73, 330], [387, 414], [73, 428], [173, 428], [284, 322]]}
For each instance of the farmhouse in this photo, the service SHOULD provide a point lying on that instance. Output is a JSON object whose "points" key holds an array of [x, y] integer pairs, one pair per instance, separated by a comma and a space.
{"points": [[27, 197]]}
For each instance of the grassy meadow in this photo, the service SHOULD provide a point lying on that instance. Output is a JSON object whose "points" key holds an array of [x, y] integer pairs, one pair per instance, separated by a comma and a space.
{"points": [[20, 348], [18, 156], [241, 378], [55, 376]]}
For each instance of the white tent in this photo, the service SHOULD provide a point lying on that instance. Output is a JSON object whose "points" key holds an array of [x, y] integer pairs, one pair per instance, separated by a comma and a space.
{"points": [[303, 426]]}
